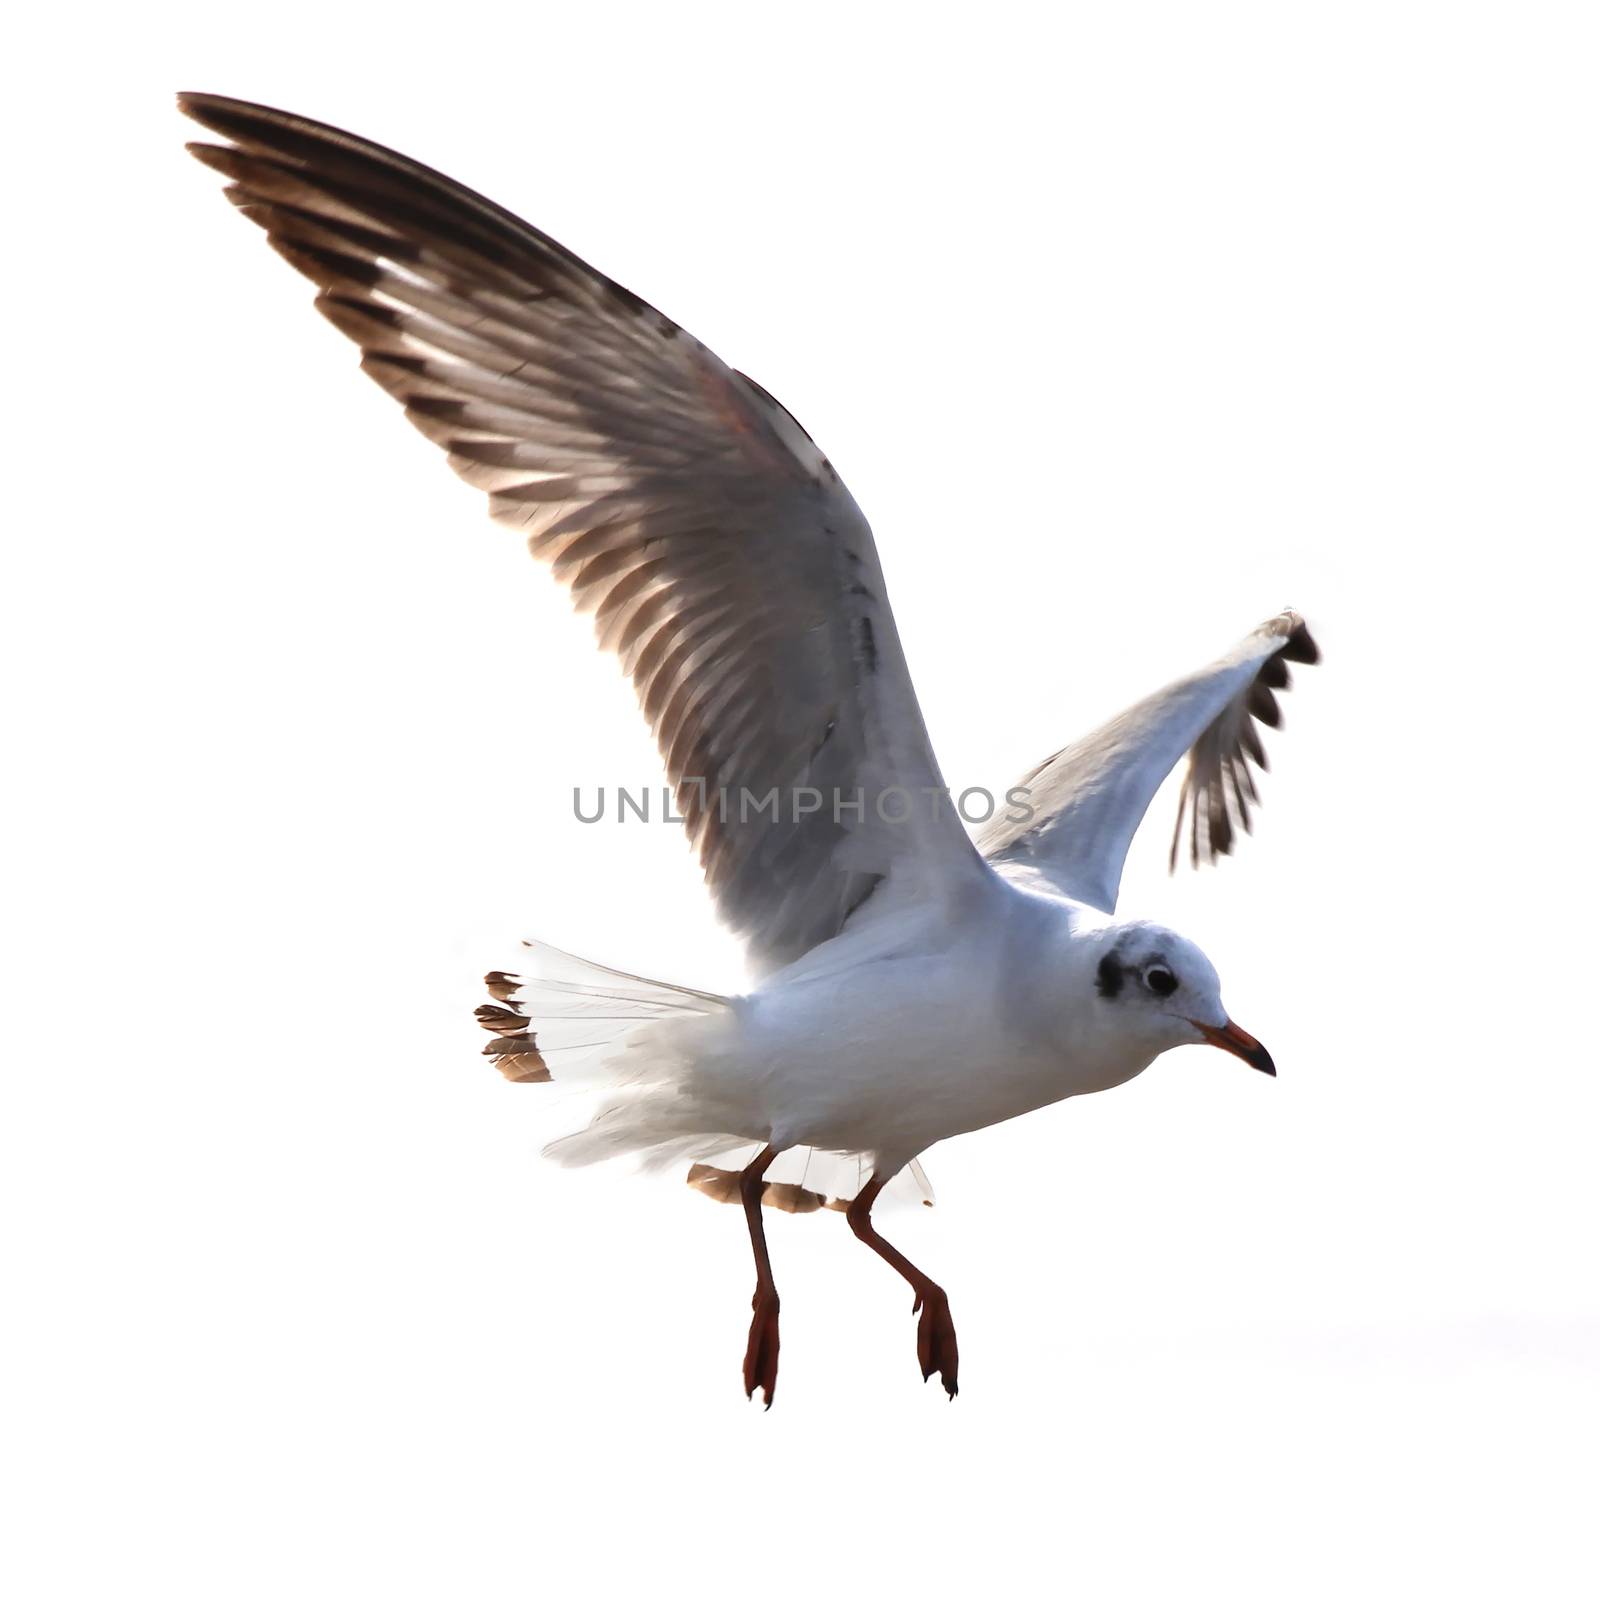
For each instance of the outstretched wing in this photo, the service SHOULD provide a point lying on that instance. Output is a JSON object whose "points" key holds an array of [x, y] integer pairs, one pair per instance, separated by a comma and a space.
{"points": [[723, 560], [1088, 800]]}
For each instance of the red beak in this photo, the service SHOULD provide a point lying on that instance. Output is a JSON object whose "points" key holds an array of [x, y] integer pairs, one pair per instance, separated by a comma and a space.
{"points": [[1232, 1038]]}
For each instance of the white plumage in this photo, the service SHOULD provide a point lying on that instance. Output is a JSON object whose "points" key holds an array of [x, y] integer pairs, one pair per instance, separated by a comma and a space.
{"points": [[914, 985]]}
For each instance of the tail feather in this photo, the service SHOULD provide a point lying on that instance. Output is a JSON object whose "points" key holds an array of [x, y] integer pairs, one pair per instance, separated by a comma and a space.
{"points": [[569, 1021], [514, 1050], [551, 1025]]}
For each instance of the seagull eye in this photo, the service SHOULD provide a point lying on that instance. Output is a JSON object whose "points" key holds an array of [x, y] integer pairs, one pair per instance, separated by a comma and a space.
{"points": [[1160, 981]]}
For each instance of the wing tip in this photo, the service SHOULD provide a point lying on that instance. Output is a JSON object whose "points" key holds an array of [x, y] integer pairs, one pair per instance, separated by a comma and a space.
{"points": [[1298, 645], [213, 110], [1227, 795]]}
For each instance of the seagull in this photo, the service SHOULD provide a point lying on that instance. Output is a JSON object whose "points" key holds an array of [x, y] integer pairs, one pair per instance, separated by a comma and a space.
{"points": [[913, 983]]}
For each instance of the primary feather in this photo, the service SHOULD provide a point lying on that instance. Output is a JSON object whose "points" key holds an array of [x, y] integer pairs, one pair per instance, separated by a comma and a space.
{"points": [[1088, 800], [725, 563]]}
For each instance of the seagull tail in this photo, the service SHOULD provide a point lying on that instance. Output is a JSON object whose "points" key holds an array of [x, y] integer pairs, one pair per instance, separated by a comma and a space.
{"points": [[579, 1025], [571, 1022], [567, 1020]]}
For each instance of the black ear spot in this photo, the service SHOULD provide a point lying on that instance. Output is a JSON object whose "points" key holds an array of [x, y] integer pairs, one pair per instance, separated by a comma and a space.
{"points": [[1108, 977]]}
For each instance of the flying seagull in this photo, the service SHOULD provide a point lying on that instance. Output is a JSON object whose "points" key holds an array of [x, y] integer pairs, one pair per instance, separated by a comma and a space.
{"points": [[913, 984]]}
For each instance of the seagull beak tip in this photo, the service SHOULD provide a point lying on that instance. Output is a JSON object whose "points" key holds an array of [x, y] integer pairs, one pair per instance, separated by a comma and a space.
{"points": [[1232, 1038]]}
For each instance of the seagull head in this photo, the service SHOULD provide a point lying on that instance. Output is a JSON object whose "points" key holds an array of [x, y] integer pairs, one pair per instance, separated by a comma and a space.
{"points": [[1155, 986]]}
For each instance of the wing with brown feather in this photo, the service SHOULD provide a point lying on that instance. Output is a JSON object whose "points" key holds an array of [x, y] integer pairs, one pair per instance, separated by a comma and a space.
{"points": [[1088, 800], [723, 560]]}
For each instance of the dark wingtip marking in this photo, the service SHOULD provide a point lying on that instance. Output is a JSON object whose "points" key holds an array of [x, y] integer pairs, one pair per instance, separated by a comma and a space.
{"points": [[1206, 784], [1263, 705], [1300, 646]]}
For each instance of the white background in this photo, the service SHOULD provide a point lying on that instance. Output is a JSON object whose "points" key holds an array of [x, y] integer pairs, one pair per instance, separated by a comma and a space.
{"points": [[1127, 325]]}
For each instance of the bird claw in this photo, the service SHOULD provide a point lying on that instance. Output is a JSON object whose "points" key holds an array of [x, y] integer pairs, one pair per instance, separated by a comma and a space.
{"points": [[761, 1353], [936, 1337]]}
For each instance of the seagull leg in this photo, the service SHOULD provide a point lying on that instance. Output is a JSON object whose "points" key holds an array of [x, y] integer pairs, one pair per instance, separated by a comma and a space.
{"points": [[761, 1354], [936, 1333]]}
